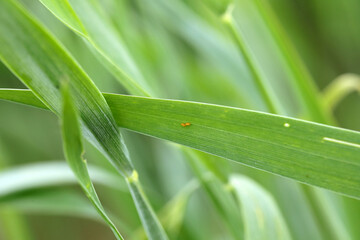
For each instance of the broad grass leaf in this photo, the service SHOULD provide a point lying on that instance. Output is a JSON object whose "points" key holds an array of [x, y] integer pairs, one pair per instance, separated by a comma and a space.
{"points": [[312, 153]]}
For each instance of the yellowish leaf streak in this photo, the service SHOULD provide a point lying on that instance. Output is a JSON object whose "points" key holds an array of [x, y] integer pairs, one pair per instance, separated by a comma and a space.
{"points": [[341, 142]]}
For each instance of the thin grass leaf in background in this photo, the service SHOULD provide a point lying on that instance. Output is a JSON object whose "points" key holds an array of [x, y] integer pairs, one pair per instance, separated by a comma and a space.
{"points": [[217, 188], [172, 214], [281, 50], [88, 21], [339, 88], [51, 174], [263, 220]]}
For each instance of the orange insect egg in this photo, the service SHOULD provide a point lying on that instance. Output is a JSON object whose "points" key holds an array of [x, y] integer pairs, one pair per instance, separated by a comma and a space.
{"points": [[187, 124], [183, 124]]}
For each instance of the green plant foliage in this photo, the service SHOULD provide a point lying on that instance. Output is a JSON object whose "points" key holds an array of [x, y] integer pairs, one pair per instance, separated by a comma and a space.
{"points": [[308, 152], [231, 132], [43, 68]]}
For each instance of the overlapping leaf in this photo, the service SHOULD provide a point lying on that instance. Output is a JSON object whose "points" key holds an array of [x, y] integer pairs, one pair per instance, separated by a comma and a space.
{"points": [[72, 141]]}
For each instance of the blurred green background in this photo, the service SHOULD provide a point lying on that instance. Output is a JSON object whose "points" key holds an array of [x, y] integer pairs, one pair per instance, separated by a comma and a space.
{"points": [[186, 52]]}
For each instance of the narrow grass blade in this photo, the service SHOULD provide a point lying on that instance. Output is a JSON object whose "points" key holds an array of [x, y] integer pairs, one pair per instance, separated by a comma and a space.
{"points": [[214, 48], [308, 152], [87, 20], [66, 14], [266, 92], [258, 14], [339, 88], [73, 148], [150, 222], [262, 218]]}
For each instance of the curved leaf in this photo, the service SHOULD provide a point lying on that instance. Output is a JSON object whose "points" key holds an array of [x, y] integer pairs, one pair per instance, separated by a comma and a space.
{"points": [[50, 174], [262, 217]]}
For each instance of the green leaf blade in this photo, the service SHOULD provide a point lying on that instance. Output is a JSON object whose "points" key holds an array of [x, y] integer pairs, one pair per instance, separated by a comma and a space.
{"points": [[66, 15], [73, 151], [311, 153], [308, 152], [148, 217]]}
